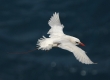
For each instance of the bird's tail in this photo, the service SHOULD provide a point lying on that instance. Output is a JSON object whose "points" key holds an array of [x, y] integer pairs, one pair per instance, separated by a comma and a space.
{"points": [[44, 43]]}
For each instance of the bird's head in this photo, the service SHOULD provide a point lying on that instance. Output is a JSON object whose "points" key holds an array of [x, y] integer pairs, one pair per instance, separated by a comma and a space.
{"points": [[76, 41]]}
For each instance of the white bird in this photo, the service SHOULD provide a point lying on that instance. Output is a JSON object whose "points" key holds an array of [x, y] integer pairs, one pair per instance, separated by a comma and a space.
{"points": [[58, 39]]}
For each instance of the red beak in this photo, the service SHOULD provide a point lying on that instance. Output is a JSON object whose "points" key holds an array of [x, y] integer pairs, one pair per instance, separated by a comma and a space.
{"points": [[81, 44]]}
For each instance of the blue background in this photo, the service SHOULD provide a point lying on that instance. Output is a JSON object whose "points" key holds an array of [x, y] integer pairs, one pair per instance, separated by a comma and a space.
{"points": [[23, 22]]}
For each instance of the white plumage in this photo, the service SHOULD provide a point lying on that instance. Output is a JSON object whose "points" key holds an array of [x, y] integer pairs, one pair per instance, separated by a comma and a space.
{"points": [[58, 39]]}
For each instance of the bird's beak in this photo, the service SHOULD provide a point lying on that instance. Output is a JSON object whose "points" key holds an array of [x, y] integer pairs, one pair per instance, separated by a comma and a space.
{"points": [[81, 44]]}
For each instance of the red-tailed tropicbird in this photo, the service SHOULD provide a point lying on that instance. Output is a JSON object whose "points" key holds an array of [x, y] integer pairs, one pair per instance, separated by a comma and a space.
{"points": [[58, 39]]}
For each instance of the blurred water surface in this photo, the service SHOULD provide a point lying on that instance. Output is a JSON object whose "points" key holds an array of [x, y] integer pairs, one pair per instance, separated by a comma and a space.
{"points": [[23, 22]]}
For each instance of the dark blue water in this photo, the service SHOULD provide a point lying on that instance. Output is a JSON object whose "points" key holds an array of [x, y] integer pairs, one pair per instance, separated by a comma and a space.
{"points": [[23, 22]]}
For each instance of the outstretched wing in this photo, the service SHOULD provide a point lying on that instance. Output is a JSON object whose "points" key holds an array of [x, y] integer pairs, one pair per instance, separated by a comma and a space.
{"points": [[78, 52], [56, 26]]}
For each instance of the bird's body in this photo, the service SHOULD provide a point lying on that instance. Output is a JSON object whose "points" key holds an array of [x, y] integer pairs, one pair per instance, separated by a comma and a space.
{"points": [[58, 39]]}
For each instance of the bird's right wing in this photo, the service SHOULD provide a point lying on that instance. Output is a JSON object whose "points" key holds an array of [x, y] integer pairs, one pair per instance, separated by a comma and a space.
{"points": [[56, 26], [78, 52]]}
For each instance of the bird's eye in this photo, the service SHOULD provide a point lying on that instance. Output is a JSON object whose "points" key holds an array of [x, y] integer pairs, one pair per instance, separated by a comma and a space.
{"points": [[77, 42]]}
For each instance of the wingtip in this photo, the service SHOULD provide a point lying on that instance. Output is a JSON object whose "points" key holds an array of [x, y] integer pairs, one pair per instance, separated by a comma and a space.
{"points": [[92, 63], [56, 13]]}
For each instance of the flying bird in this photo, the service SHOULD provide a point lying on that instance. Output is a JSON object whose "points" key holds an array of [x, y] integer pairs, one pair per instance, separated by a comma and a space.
{"points": [[57, 38]]}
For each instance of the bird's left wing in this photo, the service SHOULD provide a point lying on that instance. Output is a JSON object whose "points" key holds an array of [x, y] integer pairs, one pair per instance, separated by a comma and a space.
{"points": [[56, 26], [78, 52]]}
